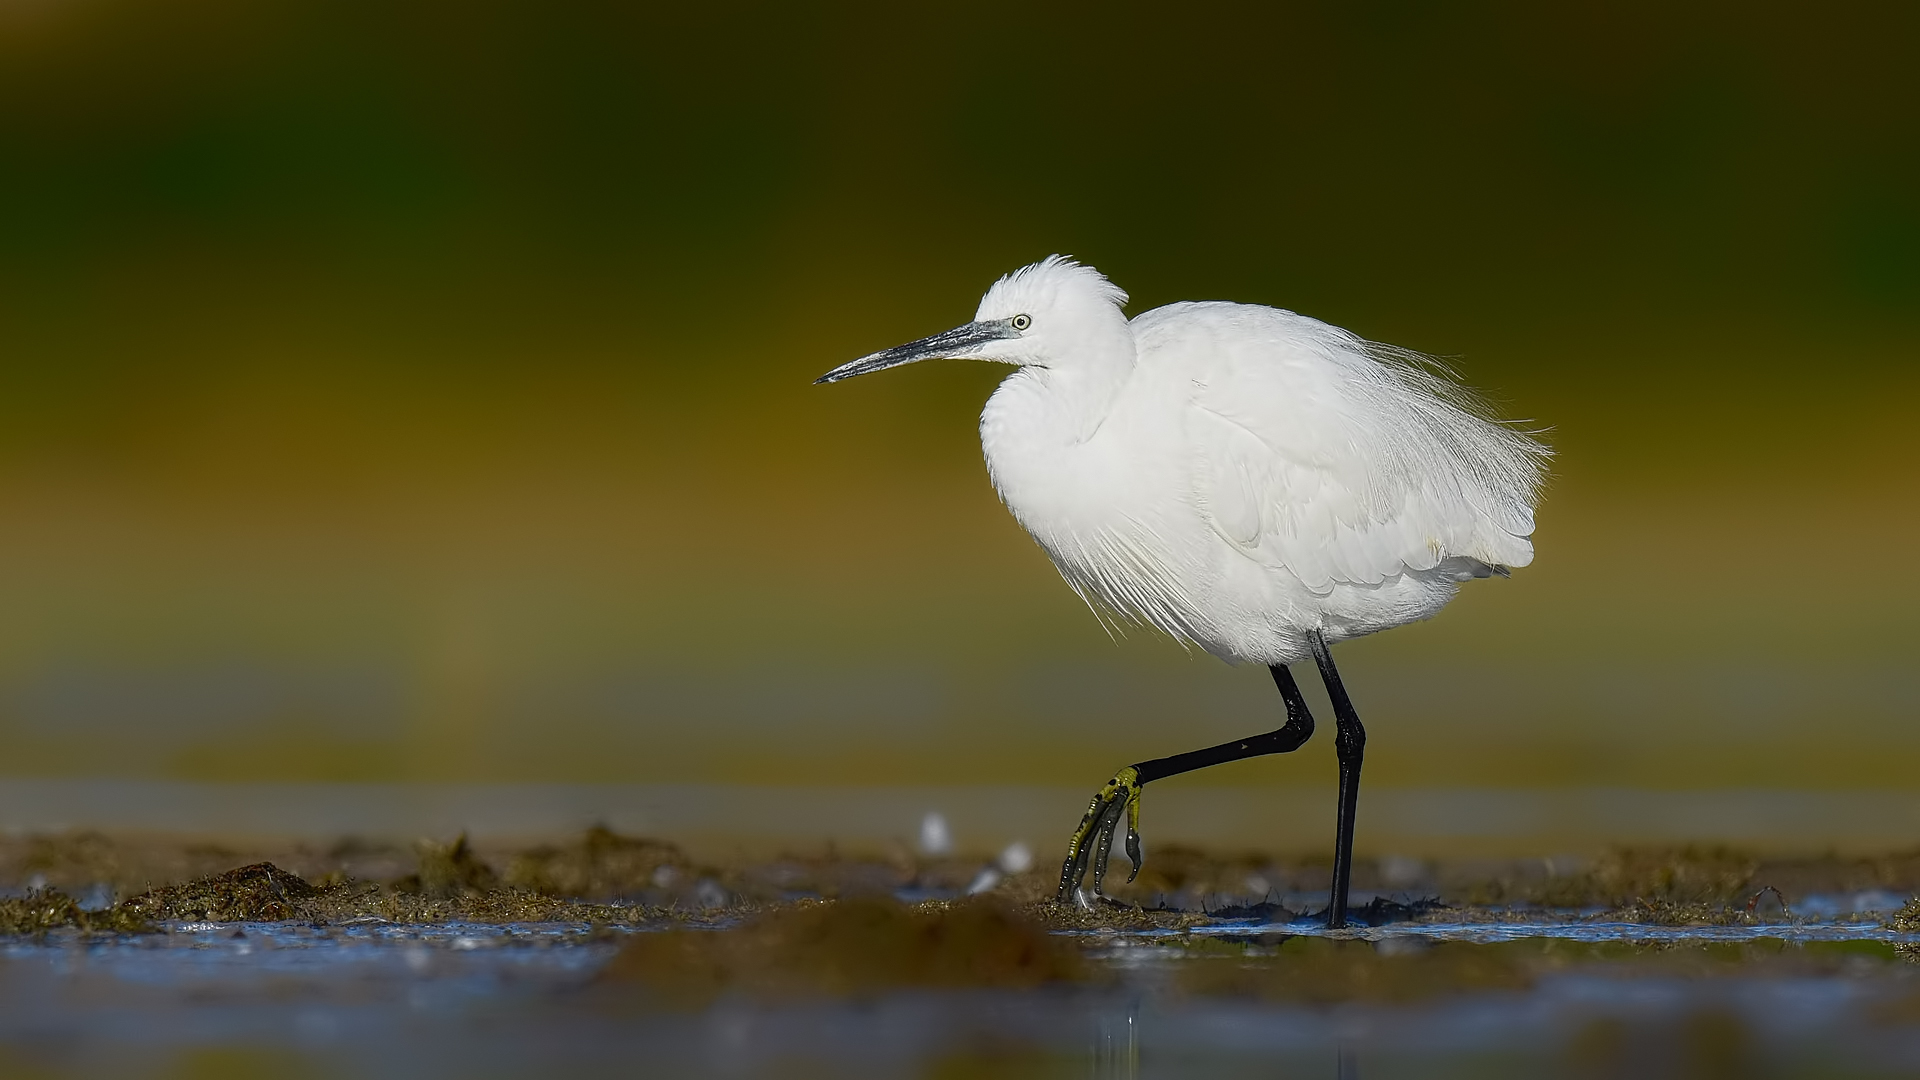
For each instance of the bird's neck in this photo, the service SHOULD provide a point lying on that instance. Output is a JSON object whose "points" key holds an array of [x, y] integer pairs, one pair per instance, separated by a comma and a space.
{"points": [[1040, 432], [1067, 401]]}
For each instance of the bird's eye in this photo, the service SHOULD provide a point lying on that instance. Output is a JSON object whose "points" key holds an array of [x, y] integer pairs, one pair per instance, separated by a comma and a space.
{"points": [[1021, 322]]}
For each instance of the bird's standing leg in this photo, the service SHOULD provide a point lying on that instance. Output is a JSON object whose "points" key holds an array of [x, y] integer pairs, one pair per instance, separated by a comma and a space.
{"points": [[1093, 840], [1350, 744]]}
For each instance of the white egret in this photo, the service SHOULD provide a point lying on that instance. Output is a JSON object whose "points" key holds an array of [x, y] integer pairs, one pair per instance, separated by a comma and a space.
{"points": [[1248, 480]]}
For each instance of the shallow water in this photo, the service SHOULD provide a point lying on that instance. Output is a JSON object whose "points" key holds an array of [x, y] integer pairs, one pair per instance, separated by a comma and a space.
{"points": [[1569, 927], [1684, 962], [1816, 997]]}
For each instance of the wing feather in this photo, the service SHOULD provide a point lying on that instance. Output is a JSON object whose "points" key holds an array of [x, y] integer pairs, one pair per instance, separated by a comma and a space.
{"points": [[1341, 460]]}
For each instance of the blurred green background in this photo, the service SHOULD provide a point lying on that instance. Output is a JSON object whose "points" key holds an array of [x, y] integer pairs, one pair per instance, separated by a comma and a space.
{"points": [[420, 392]]}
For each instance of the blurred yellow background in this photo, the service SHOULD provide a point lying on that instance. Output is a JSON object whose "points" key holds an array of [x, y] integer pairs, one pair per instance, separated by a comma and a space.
{"points": [[421, 392]]}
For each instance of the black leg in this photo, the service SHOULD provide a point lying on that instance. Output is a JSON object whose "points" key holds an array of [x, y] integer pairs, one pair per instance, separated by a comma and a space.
{"points": [[1288, 738], [1350, 744], [1094, 838]]}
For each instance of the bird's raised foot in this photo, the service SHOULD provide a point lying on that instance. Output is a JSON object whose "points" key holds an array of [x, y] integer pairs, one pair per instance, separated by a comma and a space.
{"points": [[1092, 842]]}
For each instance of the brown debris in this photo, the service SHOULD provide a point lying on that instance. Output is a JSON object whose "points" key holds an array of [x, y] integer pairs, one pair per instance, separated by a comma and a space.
{"points": [[1907, 919], [1691, 875], [261, 892], [601, 866], [452, 884], [1108, 917], [448, 871], [1190, 877], [1690, 885], [51, 909], [601, 876]]}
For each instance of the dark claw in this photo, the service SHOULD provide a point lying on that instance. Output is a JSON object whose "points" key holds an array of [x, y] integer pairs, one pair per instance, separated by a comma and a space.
{"points": [[1075, 866], [1103, 843], [1092, 842]]}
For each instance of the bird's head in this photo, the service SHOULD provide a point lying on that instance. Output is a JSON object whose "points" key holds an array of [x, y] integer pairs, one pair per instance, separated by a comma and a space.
{"points": [[1044, 315]]}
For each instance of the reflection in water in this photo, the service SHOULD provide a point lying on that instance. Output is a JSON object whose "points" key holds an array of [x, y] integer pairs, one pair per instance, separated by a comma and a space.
{"points": [[377, 1000], [1116, 1047]]}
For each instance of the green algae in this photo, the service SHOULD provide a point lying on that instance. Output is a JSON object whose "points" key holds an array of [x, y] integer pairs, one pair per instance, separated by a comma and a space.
{"points": [[850, 948], [498, 906], [1702, 876], [51, 909], [1699, 884], [448, 871], [602, 865], [1907, 921], [1107, 917], [1175, 869], [1689, 885], [450, 884], [1672, 881], [261, 892], [593, 877]]}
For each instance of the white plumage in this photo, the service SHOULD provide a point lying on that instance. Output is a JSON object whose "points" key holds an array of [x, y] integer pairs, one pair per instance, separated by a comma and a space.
{"points": [[1236, 475], [1249, 480]]}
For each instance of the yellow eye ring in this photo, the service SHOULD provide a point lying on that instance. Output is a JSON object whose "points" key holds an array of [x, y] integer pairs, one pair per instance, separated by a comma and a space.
{"points": [[1020, 322]]}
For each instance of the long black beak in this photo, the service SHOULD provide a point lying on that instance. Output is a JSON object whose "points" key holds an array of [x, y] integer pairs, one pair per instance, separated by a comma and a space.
{"points": [[954, 344]]}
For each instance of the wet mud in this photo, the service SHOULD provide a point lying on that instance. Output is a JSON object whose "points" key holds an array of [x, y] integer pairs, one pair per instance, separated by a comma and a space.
{"points": [[144, 956]]}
